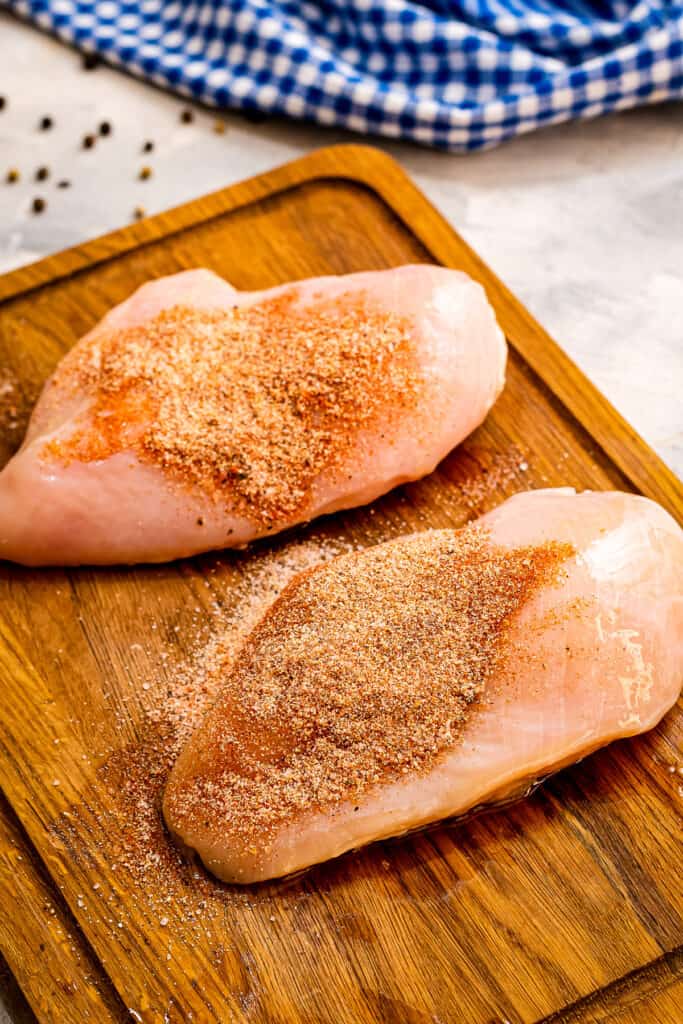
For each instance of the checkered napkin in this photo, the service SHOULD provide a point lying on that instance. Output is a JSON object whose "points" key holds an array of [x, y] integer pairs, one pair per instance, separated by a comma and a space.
{"points": [[457, 74]]}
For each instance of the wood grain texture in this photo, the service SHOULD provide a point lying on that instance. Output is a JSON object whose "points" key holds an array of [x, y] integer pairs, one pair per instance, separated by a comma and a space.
{"points": [[14, 1009], [513, 916], [42, 943], [651, 996]]}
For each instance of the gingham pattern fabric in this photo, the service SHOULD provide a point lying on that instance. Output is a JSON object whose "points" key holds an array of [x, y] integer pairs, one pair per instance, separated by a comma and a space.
{"points": [[457, 74]]}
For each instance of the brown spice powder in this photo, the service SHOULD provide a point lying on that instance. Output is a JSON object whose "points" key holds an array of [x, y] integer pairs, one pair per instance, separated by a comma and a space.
{"points": [[250, 404], [135, 776], [196, 687], [362, 673]]}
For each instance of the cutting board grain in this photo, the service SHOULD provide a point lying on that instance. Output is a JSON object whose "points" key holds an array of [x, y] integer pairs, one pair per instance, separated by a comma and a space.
{"points": [[532, 913], [59, 974]]}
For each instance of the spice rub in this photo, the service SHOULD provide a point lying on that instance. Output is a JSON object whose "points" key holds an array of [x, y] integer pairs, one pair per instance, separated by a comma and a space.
{"points": [[432, 675], [198, 417], [362, 673], [250, 403]]}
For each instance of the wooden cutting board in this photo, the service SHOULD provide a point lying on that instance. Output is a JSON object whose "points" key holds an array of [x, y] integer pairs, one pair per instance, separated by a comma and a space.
{"points": [[566, 906]]}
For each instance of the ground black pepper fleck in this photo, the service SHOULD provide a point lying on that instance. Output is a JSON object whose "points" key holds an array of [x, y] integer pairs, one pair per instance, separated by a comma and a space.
{"points": [[187, 116], [45, 124], [148, 146], [88, 141], [145, 173], [42, 173], [38, 205], [12, 175], [64, 183], [105, 128]]}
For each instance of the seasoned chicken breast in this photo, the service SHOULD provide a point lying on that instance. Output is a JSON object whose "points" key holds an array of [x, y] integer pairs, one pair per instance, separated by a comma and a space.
{"points": [[196, 417], [435, 673]]}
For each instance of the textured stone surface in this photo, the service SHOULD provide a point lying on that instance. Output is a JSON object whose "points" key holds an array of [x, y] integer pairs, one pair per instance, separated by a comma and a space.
{"points": [[584, 222]]}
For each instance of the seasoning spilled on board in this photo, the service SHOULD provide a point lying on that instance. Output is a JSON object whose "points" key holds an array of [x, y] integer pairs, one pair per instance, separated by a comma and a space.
{"points": [[177, 888], [135, 775], [490, 474]]}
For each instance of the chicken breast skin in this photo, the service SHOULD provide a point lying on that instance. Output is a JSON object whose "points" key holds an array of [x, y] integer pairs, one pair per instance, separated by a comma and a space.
{"points": [[593, 655], [116, 468]]}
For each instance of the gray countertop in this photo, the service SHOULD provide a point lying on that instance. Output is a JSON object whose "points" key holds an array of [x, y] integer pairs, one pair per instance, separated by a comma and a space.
{"points": [[583, 222]]}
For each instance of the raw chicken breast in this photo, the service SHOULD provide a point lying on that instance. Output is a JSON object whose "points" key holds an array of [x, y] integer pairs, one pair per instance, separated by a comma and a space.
{"points": [[433, 674], [196, 417]]}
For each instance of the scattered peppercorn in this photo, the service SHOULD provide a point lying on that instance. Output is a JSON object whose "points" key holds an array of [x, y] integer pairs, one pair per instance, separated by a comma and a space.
{"points": [[139, 212], [105, 128], [187, 116], [64, 183], [148, 146], [219, 127], [88, 141], [90, 61], [42, 173], [39, 205], [3, 102], [12, 175], [145, 172], [46, 123]]}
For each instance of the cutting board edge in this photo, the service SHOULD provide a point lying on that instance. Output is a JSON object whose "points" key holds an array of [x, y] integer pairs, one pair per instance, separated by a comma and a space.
{"points": [[376, 170]]}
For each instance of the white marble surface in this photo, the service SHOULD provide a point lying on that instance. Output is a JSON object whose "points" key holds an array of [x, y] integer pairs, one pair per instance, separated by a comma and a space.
{"points": [[584, 222]]}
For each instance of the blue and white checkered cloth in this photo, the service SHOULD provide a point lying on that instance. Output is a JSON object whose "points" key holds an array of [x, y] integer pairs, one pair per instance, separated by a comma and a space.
{"points": [[457, 74]]}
